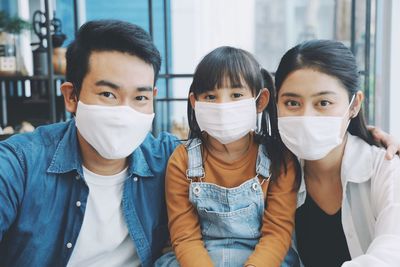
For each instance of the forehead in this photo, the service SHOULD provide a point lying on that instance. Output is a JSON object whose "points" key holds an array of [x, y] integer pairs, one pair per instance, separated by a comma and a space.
{"points": [[308, 82], [126, 69]]}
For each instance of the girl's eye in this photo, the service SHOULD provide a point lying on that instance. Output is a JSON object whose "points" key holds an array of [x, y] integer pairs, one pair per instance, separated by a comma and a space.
{"points": [[141, 98], [292, 103], [237, 95], [108, 95], [210, 97]]}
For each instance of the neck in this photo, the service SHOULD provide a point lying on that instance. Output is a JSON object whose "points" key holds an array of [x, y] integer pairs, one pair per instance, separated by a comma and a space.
{"points": [[96, 163], [231, 151], [327, 168]]}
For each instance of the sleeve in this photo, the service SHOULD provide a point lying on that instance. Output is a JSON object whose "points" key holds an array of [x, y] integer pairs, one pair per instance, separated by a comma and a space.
{"points": [[183, 223], [278, 221], [384, 250], [11, 187]]}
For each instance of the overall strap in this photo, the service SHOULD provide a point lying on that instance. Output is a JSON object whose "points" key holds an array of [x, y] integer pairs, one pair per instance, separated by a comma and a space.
{"points": [[263, 163], [195, 160]]}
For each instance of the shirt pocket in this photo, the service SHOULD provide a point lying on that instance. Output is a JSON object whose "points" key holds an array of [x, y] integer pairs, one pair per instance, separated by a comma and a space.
{"points": [[241, 223]]}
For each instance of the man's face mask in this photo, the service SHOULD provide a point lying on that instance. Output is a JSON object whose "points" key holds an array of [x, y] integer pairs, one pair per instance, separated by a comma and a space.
{"points": [[114, 131]]}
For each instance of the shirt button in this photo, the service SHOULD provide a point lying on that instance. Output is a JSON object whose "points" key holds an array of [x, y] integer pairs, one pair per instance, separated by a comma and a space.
{"points": [[78, 203], [135, 179], [69, 245], [77, 177]]}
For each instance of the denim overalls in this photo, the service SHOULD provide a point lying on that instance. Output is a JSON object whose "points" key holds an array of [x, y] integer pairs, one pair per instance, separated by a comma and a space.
{"points": [[230, 218]]}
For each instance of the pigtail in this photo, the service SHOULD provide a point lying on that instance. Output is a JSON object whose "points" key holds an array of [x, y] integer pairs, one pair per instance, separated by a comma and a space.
{"points": [[269, 133]]}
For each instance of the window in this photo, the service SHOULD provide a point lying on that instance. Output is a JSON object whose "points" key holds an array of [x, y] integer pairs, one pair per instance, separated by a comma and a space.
{"points": [[185, 30]]}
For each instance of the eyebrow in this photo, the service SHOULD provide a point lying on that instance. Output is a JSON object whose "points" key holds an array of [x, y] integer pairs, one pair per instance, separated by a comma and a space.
{"points": [[116, 86], [325, 93], [314, 95], [108, 84], [145, 88], [290, 95]]}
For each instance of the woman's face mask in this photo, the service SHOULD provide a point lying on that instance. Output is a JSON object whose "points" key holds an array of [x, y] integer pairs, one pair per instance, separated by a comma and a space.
{"points": [[312, 122]]}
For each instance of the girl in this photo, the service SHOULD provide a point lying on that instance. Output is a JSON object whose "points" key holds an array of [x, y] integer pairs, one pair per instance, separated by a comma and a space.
{"points": [[349, 201], [230, 191]]}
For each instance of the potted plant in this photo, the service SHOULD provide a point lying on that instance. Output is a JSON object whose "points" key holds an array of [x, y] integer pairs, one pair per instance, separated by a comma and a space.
{"points": [[10, 28]]}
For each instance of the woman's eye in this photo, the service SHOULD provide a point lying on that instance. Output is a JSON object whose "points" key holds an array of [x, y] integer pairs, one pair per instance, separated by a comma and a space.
{"points": [[324, 103], [292, 103], [107, 94]]}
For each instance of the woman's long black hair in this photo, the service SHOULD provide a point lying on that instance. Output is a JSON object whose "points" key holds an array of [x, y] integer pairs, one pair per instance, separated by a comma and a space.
{"points": [[334, 59]]}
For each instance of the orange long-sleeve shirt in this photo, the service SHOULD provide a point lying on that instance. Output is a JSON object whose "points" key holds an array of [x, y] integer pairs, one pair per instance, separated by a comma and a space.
{"points": [[184, 226]]}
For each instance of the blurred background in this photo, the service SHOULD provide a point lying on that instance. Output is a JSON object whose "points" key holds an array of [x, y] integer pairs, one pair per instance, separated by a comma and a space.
{"points": [[34, 35]]}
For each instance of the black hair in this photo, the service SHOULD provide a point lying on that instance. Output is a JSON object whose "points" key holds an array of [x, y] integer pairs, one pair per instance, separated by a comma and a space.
{"points": [[334, 59], [234, 67], [108, 35]]}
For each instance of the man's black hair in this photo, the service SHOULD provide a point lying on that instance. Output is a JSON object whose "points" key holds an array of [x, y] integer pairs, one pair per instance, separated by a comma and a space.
{"points": [[108, 35]]}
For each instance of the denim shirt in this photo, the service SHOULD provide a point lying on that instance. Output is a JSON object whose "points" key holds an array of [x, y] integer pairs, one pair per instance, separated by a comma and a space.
{"points": [[41, 181]]}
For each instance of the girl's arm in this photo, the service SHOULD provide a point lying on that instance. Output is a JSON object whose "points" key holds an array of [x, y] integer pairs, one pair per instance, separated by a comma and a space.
{"points": [[183, 223], [278, 221]]}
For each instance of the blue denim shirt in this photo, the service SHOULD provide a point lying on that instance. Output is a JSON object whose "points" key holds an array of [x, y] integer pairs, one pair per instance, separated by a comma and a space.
{"points": [[41, 180]]}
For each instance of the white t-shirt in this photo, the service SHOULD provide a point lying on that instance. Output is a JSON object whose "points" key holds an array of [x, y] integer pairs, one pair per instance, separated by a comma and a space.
{"points": [[104, 238]]}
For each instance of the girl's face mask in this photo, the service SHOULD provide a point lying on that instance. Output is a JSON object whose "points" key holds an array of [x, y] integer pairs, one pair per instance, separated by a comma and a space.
{"points": [[227, 122]]}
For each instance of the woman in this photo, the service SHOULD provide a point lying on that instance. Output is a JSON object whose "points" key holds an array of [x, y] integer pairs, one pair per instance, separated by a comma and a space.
{"points": [[349, 198]]}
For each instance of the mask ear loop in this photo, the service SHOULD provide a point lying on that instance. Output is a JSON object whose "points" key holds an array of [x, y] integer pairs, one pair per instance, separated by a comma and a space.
{"points": [[259, 115], [351, 103]]}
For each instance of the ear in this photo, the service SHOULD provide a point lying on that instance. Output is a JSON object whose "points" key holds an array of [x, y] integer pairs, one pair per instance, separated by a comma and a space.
{"points": [[357, 102], [70, 98], [263, 100], [192, 99], [155, 91]]}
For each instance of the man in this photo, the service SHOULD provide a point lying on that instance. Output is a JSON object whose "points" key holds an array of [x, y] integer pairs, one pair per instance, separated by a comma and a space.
{"points": [[90, 192]]}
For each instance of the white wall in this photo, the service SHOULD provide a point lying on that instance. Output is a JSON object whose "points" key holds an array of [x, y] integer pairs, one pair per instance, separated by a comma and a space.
{"points": [[387, 108], [394, 111]]}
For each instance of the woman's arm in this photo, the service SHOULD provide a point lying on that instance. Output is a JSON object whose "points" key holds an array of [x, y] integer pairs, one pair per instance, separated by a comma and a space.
{"points": [[278, 221], [183, 223]]}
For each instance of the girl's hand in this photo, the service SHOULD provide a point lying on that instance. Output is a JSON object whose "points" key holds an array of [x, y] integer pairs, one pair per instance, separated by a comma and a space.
{"points": [[392, 145]]}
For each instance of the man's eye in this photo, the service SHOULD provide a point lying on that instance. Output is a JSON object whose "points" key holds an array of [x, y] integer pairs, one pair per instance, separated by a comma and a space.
{"points": [[141, 98], [108, 94]]}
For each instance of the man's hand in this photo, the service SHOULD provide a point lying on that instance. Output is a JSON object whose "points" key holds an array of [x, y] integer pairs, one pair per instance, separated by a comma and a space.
{"points": [[388, 141]]}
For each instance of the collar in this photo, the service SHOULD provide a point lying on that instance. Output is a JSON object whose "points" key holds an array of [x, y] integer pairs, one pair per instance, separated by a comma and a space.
{"points": [[356, 163], [67, 156]]}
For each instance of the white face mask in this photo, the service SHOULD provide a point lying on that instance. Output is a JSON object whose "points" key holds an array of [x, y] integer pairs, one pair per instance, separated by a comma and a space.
{"points": [[227, 122], [114, 131], [312, 137]]}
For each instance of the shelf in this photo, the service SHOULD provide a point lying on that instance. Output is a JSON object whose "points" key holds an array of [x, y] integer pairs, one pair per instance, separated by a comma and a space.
{"points": [[4, 136], [32, 78]]}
